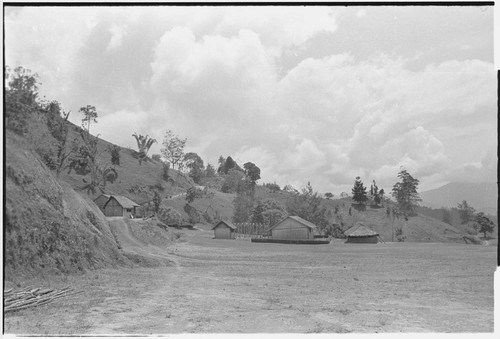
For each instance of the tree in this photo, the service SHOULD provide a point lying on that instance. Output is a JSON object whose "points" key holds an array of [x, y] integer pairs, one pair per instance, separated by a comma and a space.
{"points": [[344, 195], [252, 171], [376, 194], [195, 165], [272, 216], [259, 212], [21, 94], [193, 193], [359, 191], [290, 189], [144, 143], [466, 212], [483, 224], [231, 181], [405, 193], [156, 201], [173, 149], [308, 205], [156, 157], [243, 203], [115, 154], [227, 164], [209, 171], [57, 123], [169, 216], [328, 195], [381, 194], [84, 159], [221, 162], [89, 116]]}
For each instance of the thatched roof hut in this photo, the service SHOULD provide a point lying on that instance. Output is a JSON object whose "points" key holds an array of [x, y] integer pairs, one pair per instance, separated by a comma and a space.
{"points": [[360, 234]]}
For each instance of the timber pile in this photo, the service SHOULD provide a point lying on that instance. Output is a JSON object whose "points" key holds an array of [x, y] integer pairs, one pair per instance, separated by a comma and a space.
{"points": [[15, 300]]}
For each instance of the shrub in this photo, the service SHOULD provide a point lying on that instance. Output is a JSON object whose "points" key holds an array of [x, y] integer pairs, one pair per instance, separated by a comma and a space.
{"points": [[192, 212], [208, 218], [48, 157], [169, 216], [335, 230], [115, 154], [399, 234]]}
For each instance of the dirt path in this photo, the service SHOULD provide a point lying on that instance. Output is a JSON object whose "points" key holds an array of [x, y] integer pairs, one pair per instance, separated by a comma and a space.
{"points": [[132, 245], [121, 308]]}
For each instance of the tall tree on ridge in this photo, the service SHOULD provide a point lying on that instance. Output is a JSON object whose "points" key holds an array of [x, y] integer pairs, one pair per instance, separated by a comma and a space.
{"points": [[405, 192], [359, 191]]}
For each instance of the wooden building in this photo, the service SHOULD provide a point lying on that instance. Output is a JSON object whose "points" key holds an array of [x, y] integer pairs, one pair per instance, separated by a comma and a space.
{"points": [[224, 230], [293, 228], [119, 206], [101, 200], [360, 234]]}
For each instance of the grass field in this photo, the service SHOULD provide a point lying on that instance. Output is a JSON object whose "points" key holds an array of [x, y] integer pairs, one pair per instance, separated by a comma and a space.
{"points": [[202, 285]]}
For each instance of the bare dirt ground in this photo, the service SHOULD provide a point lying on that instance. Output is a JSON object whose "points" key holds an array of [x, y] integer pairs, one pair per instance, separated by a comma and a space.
{"points": [[201, 285]]}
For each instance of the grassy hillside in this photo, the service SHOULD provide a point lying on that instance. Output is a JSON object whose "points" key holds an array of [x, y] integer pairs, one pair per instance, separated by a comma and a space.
{"points": [[421, 228], [49, 228], [134, 181], [219, 207], [138, 182], [455, 219]]}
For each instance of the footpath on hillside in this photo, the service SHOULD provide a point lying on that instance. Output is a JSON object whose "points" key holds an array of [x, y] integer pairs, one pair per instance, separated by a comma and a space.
{"points": [[140, 244]]}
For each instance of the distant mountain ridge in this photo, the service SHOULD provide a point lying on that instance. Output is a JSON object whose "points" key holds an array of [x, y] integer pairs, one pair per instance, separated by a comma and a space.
{"points": [[482, 196]]}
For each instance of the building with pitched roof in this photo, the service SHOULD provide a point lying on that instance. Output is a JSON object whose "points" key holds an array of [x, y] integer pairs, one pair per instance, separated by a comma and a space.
{"points": [[293, 228], [224, 230], [119, 206]]}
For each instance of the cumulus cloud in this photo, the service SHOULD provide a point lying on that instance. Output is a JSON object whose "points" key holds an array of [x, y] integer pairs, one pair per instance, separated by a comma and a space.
{"points": [[215, 76]]}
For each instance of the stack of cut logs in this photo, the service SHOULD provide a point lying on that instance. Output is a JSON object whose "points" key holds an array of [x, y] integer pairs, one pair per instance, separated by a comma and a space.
{"points": [[15, 300]]}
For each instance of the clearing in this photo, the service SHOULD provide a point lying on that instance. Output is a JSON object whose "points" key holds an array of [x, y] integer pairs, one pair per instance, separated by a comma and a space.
{"points": [[201, 285]]}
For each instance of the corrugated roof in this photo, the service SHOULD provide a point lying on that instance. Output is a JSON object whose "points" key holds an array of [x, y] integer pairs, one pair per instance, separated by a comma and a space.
{"points": [[298, 219], [362, 231], [228, 223], [124, 201]]}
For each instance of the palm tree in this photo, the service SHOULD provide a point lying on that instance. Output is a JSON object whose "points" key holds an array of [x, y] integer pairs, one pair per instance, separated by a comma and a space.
{"points": [[144, 143]]}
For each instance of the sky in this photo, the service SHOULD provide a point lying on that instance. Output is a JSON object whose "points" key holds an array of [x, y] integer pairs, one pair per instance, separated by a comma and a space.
{"points": [[318, 94]]}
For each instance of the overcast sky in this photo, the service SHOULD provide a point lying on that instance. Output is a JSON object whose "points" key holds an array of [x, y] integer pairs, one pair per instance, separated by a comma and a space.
{"points": [[319, 94]]}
